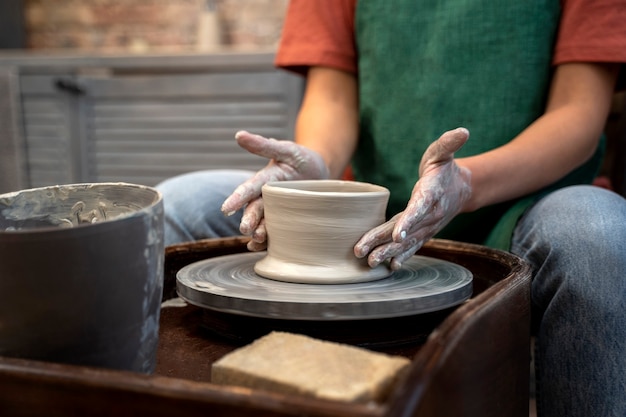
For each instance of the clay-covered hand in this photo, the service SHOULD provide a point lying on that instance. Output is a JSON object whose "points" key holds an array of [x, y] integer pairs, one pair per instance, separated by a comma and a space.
{"points": [[438, 196], [288, 161]]}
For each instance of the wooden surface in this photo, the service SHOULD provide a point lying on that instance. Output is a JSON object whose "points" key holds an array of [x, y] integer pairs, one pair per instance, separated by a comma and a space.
{"points": [[473, 363]]}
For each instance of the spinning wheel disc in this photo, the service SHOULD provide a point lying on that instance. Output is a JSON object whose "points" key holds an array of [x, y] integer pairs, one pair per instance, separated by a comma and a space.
{"points": [[229, 284]]}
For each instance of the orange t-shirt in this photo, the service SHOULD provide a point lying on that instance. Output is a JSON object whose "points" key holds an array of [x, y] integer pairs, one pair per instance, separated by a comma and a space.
{"points": [[591, 31], [318, 33], [321, 33]]}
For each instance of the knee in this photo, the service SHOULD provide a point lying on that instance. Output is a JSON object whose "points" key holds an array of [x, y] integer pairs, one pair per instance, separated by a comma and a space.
{"points": [[575, 240], [580, 218]]}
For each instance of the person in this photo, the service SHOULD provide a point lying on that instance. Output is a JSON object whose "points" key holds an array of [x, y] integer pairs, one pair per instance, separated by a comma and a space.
{"points": [[532, 82]]}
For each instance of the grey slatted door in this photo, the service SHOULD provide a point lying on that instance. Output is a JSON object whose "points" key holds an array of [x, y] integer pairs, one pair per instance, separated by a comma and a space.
{"points": [[50, 119], [145, 128]]}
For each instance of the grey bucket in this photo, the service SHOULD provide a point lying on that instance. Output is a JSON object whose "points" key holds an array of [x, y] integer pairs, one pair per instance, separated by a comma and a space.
{"points": [[81, 275]]}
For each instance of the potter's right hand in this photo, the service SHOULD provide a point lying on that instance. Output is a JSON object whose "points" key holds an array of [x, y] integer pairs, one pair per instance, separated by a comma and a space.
{"points": [[288, 161]]}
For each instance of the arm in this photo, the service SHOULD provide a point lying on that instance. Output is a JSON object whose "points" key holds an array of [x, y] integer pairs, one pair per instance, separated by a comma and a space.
{"points": [[558, 142], [328, 119]]}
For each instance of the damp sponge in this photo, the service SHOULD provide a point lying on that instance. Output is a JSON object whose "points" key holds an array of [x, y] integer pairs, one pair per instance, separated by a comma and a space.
{"points": [[295, 364]]}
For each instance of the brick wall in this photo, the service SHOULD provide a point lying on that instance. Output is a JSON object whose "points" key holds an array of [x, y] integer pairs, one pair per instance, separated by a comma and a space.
{"points": [[145, 25]]}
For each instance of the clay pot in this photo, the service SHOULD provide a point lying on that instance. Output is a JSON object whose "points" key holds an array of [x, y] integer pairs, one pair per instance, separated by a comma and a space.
{"points": [[81, 274], [312, 227]]}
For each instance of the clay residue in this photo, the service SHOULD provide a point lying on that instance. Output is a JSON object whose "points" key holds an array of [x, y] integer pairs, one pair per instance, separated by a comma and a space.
{"points": [[71, 205]]}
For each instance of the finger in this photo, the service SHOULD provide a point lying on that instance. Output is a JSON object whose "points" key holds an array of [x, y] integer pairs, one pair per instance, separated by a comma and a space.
{"points": [[383, 252], [395, 249], [269, 148], [259, 238], [398, 260], [260, 233], [253, 143], [375, 237], [252, 216], [255, 246], [391, 250], [294, 159], [446, 146], [249, 190], [238, 198]]}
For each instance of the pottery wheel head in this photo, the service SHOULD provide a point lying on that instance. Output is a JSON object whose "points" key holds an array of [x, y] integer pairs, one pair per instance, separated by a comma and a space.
{"points": [[229, 284]]}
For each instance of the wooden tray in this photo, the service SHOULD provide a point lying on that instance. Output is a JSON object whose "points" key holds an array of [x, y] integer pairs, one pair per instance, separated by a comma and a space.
{"points": [[468, 361]]}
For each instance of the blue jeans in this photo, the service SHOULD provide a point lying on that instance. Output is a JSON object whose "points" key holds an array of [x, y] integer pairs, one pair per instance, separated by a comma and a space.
{"points": [[192, 204], [575, 240]]}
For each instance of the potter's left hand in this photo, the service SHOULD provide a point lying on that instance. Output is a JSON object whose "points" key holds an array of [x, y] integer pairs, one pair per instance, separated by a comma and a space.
{"points": [[438, 196]]}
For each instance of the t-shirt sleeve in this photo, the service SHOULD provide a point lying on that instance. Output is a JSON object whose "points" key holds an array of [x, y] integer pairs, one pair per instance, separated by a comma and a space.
{"points": [[591, 31], [318, 33]]}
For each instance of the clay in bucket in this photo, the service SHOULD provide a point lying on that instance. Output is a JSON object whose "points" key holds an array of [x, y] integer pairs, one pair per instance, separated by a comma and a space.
{"points": [[81, 274]]}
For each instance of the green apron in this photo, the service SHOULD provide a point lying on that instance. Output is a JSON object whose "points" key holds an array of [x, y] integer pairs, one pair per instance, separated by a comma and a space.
{"points": [[427, 66]]}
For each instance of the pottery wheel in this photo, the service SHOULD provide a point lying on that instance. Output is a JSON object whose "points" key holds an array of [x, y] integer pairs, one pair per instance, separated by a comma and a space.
{"points": [[229, 284]]}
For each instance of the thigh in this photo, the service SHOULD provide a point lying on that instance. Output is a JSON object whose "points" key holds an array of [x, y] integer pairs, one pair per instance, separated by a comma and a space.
{"points": [[576, 232], [193, 201], [575, 241]]}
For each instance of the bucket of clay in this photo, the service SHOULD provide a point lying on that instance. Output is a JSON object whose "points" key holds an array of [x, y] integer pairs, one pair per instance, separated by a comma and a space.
{"points": [[81, 274]]}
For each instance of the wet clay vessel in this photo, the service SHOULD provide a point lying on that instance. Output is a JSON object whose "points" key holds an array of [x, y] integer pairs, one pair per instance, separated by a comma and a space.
{"points": [[312, 227]]}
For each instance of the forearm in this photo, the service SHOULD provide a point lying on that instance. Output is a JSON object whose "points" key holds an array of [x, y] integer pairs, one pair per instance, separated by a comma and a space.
{"points": [[551, 147], [328, 119]]}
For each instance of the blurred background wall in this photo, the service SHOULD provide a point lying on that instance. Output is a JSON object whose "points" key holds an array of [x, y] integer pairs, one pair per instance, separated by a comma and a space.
{"points": [[149, 25]]}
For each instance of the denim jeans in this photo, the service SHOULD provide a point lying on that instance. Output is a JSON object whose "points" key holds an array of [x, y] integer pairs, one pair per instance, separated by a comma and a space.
{"points": [[575, 240], [192, 204]]}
